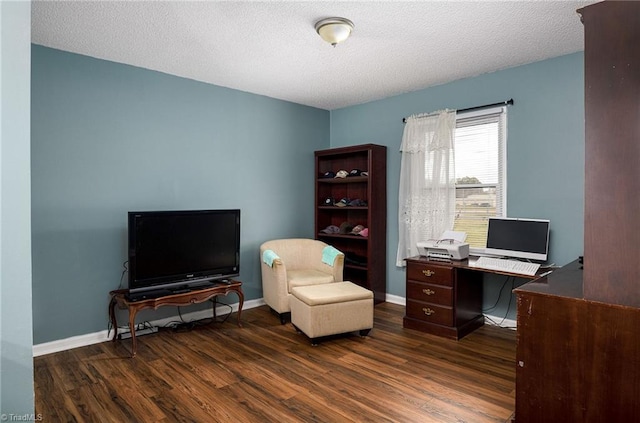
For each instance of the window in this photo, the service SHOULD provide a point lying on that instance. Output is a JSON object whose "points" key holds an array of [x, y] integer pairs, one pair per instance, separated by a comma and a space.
{"points": [[480, 164]]}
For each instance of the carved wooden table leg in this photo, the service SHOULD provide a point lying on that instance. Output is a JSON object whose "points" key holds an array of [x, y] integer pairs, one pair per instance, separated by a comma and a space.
{"points": [[214, 300], [112, 317], [132, 329], [240, 303]]}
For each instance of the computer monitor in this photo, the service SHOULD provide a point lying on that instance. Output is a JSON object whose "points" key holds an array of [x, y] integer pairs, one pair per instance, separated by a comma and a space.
{"points": [[521, 238]]}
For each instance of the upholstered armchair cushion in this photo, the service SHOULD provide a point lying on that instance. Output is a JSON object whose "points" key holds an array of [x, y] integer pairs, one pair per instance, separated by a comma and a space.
{"points": [[295, 262]]}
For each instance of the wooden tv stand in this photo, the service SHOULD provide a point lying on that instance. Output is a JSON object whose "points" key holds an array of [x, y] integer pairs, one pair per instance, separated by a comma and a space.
{"points": [[196, 296]]}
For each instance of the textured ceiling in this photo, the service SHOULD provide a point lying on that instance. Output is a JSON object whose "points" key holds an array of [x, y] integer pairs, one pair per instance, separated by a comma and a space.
{"points": [[271, 48]]}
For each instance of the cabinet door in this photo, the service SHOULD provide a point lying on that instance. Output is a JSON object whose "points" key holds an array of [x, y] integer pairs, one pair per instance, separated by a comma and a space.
{"points": [[549, 360]]}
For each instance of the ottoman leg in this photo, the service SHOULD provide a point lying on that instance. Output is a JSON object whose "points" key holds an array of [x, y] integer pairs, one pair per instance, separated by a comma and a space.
{"points": [[365, 332]]}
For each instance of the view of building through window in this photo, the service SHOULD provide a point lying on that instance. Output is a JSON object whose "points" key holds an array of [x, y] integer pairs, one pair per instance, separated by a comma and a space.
{"points": [[479, 163]]}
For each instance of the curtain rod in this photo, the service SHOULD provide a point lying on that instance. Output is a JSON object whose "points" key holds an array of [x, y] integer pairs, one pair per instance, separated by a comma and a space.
{"points": [[486, 106]]}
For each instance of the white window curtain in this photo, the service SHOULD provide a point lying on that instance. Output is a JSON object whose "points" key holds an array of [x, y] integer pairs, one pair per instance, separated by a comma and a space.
{"points": [[426, 204]]}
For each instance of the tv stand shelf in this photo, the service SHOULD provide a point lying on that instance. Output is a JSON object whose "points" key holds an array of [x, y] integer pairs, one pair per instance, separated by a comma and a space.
{"points": [[119, 298]]}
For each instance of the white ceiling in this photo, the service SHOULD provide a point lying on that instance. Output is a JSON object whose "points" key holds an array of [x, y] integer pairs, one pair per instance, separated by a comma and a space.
{"points": [[271, 48]]}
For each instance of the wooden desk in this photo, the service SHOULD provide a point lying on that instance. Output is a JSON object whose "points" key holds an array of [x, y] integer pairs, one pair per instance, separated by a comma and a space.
{"points": [[444, 298], [119, 297]]}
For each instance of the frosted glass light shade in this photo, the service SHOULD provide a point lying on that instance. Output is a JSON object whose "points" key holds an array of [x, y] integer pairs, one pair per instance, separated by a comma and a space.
{"points": [[334, 30]]}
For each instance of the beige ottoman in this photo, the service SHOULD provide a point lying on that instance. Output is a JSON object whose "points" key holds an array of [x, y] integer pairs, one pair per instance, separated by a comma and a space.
{"points": [[331, 309]]}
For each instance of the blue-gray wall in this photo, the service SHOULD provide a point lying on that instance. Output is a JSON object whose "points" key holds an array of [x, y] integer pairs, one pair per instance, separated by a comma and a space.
{"points": [[108, 138], [545, 157], [16, 352]]}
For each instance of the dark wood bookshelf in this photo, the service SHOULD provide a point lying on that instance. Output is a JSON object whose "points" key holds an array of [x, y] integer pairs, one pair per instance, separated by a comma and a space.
{"points": [[372, 188]]}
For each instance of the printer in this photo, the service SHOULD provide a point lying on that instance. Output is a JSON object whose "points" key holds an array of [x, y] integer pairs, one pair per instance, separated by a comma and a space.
{"points": [[450, 246]]}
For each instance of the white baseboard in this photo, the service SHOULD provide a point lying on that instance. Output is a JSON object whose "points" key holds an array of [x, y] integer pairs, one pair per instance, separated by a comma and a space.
{"points": [[394, 299], [500, 321], [70, 343], [102, 336]]}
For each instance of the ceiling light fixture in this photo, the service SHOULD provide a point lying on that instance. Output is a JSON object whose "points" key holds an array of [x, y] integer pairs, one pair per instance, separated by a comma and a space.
{"points": [[334, 30]]}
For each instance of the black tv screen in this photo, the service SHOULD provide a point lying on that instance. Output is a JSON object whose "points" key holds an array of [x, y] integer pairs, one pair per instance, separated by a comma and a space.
{"points": [[181, 248]]}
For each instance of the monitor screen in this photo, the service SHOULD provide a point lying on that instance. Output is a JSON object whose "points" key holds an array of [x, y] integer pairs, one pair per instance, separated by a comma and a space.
{"points": [[522, 238], [182, 247]]}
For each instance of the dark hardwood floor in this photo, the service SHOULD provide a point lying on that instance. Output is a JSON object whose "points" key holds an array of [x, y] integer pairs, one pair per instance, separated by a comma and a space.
{"points": [[266, 372]]}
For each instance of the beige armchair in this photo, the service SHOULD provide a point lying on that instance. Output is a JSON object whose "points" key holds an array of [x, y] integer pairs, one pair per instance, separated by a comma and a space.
{"points": [[296, 262]]}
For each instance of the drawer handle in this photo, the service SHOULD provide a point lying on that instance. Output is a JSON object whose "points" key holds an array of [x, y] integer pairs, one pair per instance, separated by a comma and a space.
{"points": [[428, 311], [428, 273], [428, 291]]}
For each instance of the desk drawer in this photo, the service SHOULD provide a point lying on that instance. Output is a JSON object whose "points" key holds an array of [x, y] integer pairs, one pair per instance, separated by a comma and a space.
{"points": [[430, 273], [436, 294], [430, 312]]}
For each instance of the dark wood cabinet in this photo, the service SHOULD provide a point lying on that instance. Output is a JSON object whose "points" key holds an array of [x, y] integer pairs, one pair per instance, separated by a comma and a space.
{"points": [[612, 152], [576, 359], [365, 198], [443, 299], [578, 342]]}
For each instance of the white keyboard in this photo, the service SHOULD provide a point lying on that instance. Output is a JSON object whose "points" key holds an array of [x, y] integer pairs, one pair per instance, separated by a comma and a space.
{"points": [[510, 266]]}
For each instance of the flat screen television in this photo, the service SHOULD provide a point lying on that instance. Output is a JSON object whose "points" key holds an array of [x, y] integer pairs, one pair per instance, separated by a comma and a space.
{"points": [[172, 249], [521, 238]]}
